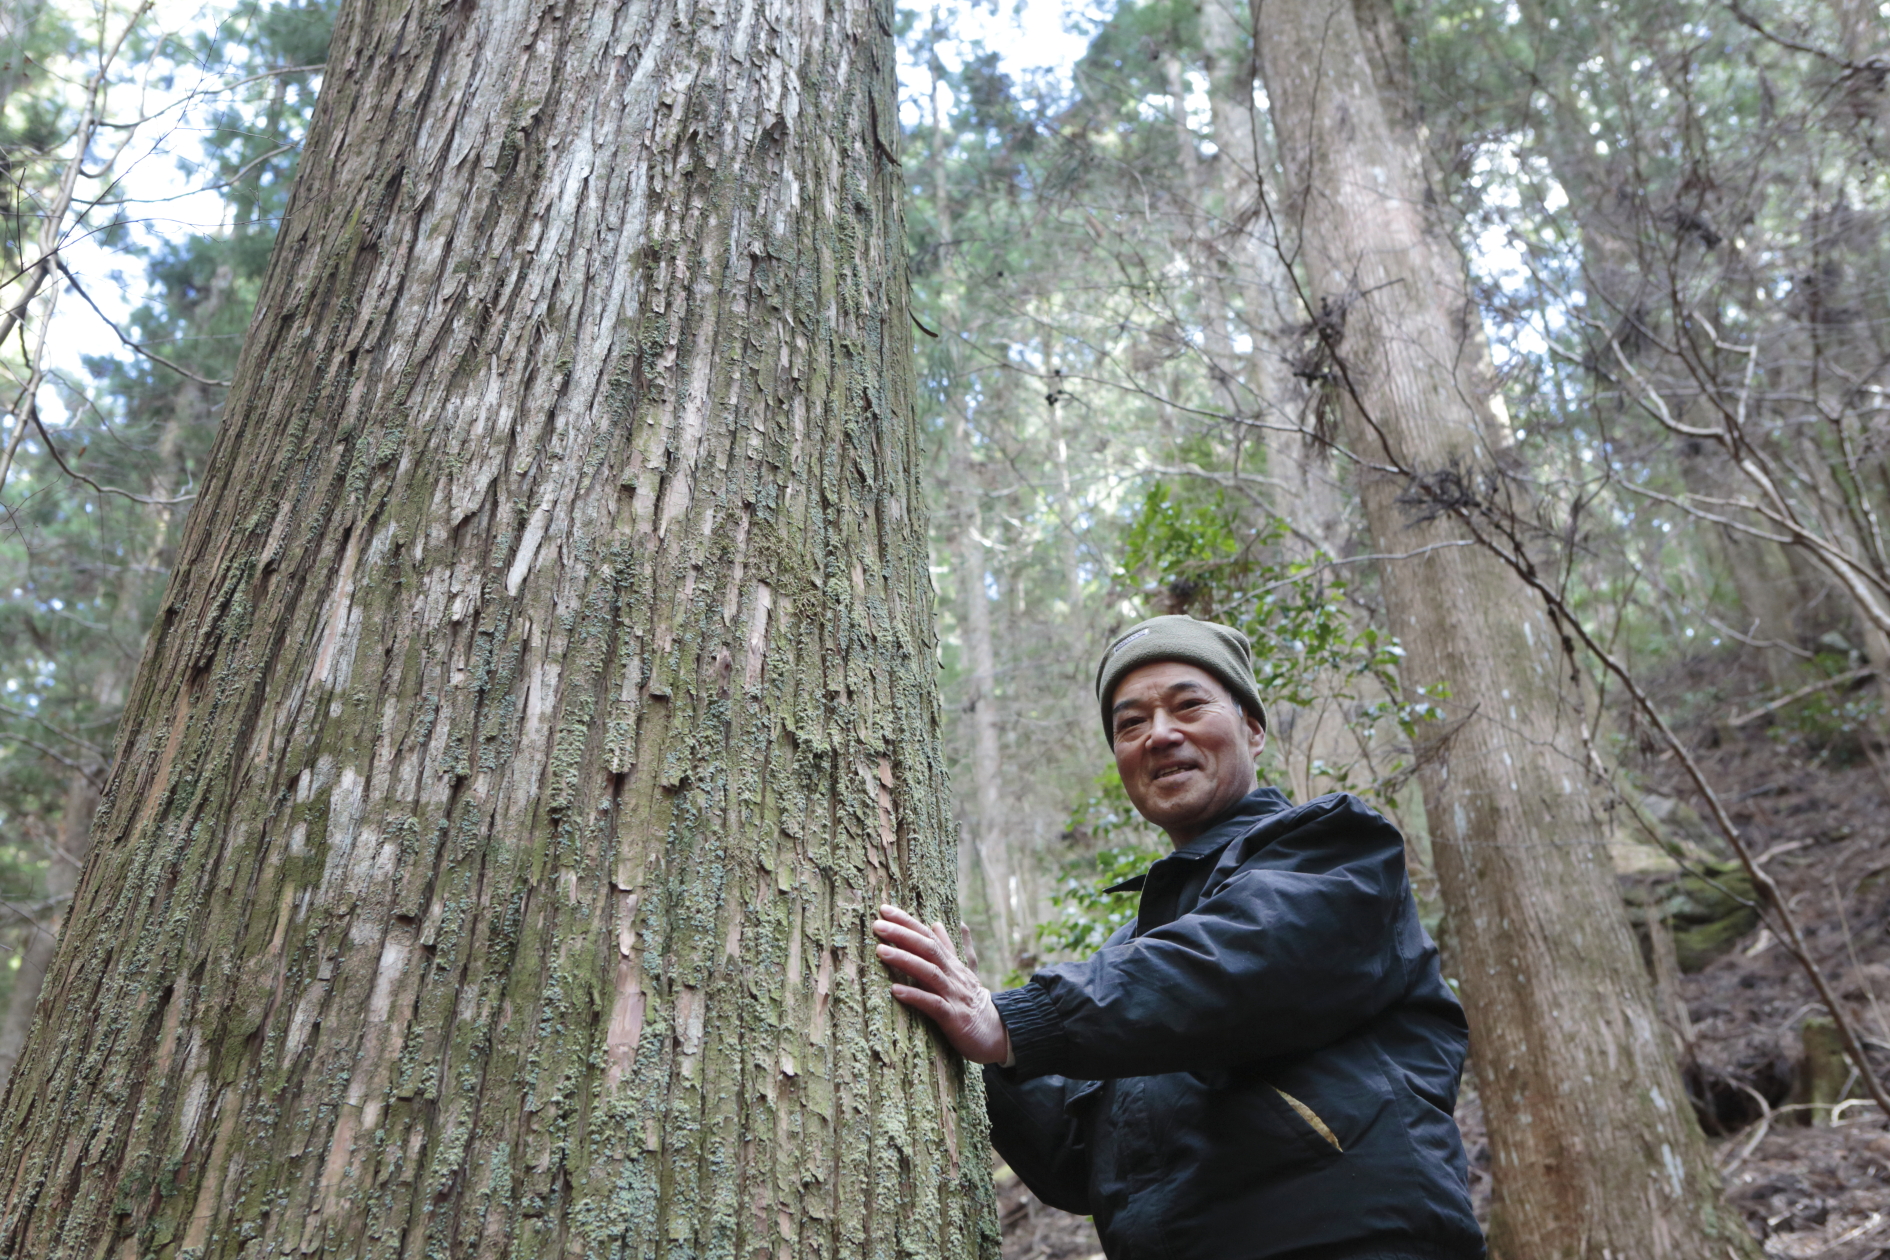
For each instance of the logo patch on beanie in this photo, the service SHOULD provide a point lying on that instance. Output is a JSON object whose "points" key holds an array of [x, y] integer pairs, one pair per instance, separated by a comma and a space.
{"points": [[1139, 634]]}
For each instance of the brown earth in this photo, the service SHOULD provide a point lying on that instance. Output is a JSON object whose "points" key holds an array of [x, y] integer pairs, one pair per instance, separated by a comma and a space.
{"points": [[1813, 803], [1812, 796], [1033, 1230]]}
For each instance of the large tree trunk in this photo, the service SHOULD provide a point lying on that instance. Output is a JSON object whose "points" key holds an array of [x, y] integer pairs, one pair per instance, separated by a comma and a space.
{"points": [[1595, 1150], [545, 695], [62, 876]]}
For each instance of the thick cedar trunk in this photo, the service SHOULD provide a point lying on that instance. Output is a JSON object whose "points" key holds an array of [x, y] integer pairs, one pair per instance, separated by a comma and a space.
{"points": [[545, 695], [1596, 1152], [62, 876]]}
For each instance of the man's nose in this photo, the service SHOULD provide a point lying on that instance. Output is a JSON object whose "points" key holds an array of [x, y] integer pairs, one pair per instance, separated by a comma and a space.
{"points": [[1163, 729]]}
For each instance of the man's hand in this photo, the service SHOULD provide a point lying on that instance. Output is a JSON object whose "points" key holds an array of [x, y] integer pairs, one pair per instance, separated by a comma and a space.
{"points": [[944, 989]]}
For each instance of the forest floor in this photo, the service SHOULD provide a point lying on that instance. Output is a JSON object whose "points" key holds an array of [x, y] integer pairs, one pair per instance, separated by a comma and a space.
{"points": [[1812, 800]]}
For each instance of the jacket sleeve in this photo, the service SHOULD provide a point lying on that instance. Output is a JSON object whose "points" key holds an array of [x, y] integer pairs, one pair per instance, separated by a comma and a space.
{"points": [[1034, 1132], [1308, 939]]}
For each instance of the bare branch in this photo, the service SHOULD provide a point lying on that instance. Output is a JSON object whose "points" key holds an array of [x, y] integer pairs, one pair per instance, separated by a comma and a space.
{"points": [[158, 359], [1793, 697]]}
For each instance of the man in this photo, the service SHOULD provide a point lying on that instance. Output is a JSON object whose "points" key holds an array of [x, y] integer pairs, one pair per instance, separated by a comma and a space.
{"points": [[1264, 1064]]}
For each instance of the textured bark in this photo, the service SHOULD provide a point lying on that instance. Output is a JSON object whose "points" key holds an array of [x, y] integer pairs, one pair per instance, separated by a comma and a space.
{"points": [[545, 695], [62, 876], [1596, 1152]]}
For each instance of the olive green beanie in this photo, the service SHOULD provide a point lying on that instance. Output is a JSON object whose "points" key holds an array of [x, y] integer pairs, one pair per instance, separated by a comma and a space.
{"points": [[1221, 650]]}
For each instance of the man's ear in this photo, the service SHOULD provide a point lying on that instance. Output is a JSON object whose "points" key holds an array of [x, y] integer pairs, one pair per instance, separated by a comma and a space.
{"points": [[1256, 734]]}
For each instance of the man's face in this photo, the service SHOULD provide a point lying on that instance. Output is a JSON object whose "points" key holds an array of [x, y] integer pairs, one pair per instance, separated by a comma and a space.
{"points": [[1184, 746]]}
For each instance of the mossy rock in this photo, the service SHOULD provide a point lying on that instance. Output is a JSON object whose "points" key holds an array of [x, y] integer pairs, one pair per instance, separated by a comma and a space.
{"points": [[1709, 916], [1707, 911]]}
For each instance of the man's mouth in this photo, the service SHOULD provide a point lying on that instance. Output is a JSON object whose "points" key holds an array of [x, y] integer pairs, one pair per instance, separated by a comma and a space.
{"points": [[1170, 771]]}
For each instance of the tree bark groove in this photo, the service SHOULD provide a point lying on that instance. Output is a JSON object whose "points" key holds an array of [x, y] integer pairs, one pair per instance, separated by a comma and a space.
{"points": [[545, 695]]}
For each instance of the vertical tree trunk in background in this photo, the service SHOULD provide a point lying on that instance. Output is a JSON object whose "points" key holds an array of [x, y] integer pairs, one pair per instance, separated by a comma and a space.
{"points": [[989, 836], [1762, 578], [545, 695], [988, 824], [1066, 500], [62, 876], [1303, 488], [18, 18], [1596, 1152]]}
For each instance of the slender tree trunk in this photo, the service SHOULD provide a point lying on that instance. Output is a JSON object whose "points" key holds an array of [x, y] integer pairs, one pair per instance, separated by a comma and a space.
{"points": [[1066, 507], [545, 694], [1304, 488], [993, 838], [1762, 579], [1596, 1152], [989, 834], [62, 876]]}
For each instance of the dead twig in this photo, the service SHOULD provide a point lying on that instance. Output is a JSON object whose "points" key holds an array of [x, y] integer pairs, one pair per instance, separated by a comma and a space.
{"points": [[32, 413], [1794, 696], [1760, 1129], [118, 332]]}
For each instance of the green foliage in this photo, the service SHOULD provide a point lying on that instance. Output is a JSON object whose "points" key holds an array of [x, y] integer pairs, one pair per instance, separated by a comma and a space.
{"points": [[1831, 726], [1191, 552], [1188, 550], [1084, 914], [83, 570]]}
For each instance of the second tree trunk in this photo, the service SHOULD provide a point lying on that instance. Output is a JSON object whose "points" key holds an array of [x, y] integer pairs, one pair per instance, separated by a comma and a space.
{"points": [[1596, 1152]]}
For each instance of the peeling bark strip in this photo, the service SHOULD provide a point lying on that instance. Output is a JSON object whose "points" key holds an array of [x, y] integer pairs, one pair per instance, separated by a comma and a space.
{"points": [[545, 694]]}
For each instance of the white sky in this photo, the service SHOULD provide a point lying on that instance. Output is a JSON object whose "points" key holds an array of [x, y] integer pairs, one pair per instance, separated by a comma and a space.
{"points": [[167, 203], [1026, 35]]}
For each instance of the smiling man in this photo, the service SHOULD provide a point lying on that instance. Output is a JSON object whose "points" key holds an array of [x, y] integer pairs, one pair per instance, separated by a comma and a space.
{"points": [[1262, 1066]]}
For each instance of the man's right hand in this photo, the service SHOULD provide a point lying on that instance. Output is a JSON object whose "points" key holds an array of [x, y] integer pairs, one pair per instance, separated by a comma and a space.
{"points": [[944, 989]]}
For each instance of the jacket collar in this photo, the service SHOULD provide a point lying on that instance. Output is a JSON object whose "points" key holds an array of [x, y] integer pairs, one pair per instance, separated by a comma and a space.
{"points": [[1257, 805]]}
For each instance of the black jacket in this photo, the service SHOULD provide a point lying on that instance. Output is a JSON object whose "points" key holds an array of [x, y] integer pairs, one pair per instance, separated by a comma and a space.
{"points": [[1264, 1064]]}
